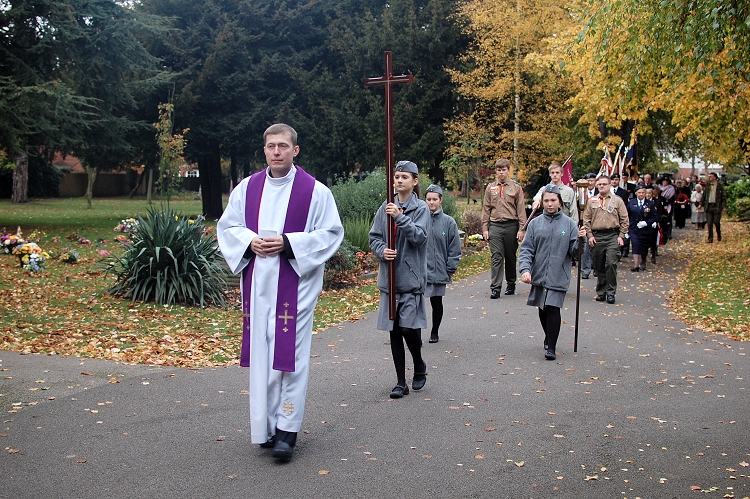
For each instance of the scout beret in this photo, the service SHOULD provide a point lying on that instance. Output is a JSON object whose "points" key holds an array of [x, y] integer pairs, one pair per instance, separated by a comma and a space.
{"points": [[436, 189], [407, 166]]}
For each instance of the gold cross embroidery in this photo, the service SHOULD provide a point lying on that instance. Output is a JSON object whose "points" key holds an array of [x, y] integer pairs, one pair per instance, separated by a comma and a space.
{"points": [[286, 317]]}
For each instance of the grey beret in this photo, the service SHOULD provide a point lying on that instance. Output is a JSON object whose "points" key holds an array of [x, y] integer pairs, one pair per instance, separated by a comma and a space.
{"points": [[407, 166], [436, 189], [552, 188]]}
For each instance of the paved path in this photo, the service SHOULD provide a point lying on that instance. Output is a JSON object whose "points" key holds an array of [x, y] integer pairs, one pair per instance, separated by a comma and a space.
{"points": [[647, 407]]}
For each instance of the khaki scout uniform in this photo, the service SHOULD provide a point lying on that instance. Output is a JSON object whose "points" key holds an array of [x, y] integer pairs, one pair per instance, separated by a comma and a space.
{"points": [[503, 211], [606, 219]]}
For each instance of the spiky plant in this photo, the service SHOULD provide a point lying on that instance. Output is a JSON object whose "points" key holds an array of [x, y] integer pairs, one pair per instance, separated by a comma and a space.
{"points": [[170, 259]]}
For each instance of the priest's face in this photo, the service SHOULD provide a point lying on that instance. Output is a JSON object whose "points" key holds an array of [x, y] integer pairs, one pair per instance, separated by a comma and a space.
{"points": [[280, 153]]}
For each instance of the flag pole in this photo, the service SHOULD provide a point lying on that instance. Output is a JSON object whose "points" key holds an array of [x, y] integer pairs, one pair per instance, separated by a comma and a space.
{"points": [[581, 186]]}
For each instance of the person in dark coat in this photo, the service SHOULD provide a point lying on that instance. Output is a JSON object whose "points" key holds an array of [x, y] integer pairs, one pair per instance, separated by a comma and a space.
{"points": [[682, 204], [642, 215]]}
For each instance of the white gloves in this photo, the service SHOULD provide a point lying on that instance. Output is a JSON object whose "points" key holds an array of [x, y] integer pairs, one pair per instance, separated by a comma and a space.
{"points": [[641, 224], [653, 225]]}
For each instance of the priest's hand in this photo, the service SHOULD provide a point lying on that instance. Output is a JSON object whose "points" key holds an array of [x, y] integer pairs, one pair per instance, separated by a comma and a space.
{"points": [[267, 246], [389, 254]]}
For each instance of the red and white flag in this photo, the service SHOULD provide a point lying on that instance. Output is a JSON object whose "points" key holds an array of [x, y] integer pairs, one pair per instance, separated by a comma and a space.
{"points": [[567, 171]]}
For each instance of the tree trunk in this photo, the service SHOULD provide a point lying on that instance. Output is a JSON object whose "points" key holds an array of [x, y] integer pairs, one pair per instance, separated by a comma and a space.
{"points": [[232, 169], [138, 183], [21, 179], [517, 117], [90, 186], [150, 184], [209, 167]]}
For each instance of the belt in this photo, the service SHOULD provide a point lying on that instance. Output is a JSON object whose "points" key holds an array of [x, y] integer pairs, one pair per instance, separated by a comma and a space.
{"points": [[504, 221], [606, 231]]}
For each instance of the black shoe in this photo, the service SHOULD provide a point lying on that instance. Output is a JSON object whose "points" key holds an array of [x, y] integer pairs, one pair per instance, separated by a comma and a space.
{"points": [[434, 338], [550, 354], [269, 444], [600, 297], [585, 276], [399, 391], [495, 294], [643, 268], [610, 298], [284, 446], [510, 290], [635, 269], [420, 377]]}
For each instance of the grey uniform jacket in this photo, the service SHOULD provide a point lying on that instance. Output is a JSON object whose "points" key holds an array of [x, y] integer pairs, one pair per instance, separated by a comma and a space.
{"points": [[443, 248], [547, 250], [411, 236]]}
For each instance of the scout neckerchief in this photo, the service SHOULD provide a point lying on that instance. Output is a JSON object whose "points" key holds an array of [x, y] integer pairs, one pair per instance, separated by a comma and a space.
{"points": [[286, 297]]}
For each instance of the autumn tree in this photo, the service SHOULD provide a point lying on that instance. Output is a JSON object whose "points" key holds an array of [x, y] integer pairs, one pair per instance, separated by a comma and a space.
{"points": [[509, 86], [635, 57]]}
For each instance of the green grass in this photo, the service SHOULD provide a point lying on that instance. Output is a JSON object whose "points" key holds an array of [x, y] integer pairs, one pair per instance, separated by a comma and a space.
{"points": [[73, 213], [66, 310]]}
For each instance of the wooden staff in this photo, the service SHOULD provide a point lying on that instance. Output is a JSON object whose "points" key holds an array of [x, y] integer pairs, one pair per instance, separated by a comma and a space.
{"points": [[388, 80], [581, 186]]}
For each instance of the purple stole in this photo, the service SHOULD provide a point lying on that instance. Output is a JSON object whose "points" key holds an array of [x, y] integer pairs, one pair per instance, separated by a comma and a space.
{"points": [[286, 297]]}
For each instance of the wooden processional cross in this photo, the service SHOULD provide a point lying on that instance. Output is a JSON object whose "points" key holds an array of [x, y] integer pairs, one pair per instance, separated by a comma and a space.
{"points": [[388, 80]]}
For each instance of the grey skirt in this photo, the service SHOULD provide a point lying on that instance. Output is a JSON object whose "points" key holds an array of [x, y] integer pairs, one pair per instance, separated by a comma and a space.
{"points": [[410, 310], [542, 297], [434, 289]]}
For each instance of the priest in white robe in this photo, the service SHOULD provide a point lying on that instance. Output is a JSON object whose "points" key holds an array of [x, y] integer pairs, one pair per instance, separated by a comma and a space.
{"points": [[278, 229]]}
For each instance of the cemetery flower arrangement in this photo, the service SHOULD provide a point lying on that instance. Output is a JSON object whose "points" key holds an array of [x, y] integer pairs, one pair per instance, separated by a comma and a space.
{"points": [[366, 261], [69, 256], [474, 240], [128, 225], [31, 257], [10, 241]]}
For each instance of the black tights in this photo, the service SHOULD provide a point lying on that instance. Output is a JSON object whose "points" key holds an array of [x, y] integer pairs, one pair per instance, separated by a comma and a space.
{"points": [[437, 313], [550, 319], [413, 339]]}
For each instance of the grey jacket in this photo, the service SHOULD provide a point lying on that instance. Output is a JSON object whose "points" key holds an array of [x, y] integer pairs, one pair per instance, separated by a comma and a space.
{"points": [[443, 248], [411, 236], [547, 250]]}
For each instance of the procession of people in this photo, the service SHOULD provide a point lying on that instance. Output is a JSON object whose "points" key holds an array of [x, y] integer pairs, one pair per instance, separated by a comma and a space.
{"points": [[281, 226]]}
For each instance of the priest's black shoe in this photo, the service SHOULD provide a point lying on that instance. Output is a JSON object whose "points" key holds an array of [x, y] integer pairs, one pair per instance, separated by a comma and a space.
{"points": [[550, 354], [284, 446], [495, 294], [610, 298], [510, 290], [600, 297], [434, 338], [420, 377]]}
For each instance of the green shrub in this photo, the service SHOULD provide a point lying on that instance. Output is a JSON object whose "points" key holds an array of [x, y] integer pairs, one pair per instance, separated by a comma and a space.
{"points": [[170, 259], [742, 208], [735, 192], [449, 205], [357, 232], [342, 268], [360, 199]]}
